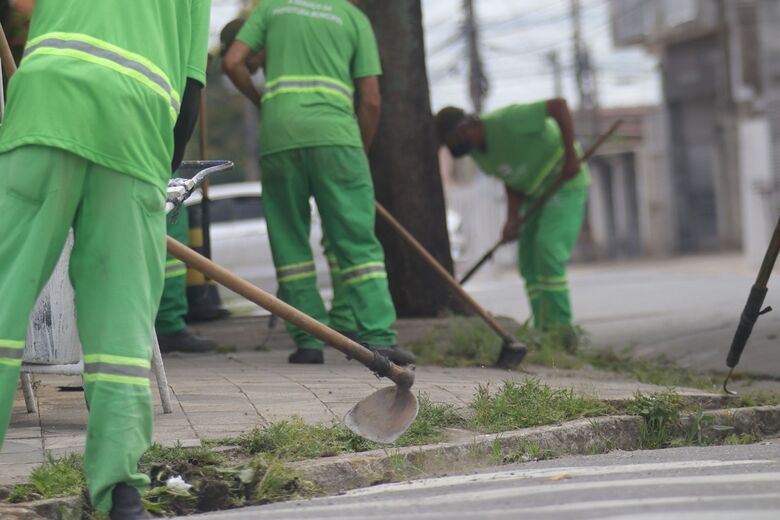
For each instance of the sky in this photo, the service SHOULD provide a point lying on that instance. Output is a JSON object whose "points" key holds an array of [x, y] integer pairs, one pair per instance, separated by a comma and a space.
{"points": [[516, 36]]}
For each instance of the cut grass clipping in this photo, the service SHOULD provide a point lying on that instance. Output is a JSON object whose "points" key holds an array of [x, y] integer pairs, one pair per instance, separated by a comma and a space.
{"points": [[462, 342]]}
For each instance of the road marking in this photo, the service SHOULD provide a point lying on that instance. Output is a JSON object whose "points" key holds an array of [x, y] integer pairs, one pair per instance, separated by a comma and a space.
{"points": [[485, 495], [573, 471]]}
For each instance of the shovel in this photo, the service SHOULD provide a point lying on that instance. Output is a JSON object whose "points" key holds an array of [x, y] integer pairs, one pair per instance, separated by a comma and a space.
{"points": [[382, 416]]}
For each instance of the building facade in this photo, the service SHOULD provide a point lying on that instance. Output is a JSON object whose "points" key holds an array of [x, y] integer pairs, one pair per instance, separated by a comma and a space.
{"points": [[720, 66]]}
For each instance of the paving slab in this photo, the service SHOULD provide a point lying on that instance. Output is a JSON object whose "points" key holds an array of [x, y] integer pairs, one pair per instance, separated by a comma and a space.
{"points": [[226, 394]]}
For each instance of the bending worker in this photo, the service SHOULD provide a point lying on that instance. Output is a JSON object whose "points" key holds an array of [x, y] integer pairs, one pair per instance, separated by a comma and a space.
{"points": [[87, 142], [520, 145], [312, 144]]}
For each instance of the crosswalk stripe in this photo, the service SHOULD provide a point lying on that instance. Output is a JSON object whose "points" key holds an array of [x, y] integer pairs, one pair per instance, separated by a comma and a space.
{"points": [[574, 471], [595, 505], [487, 495]]}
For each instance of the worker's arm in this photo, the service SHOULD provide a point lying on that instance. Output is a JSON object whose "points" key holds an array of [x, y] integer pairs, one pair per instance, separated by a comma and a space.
{"points": [[188, 118], [369, 108], [235, 66], [513, 201], [558, 109]]}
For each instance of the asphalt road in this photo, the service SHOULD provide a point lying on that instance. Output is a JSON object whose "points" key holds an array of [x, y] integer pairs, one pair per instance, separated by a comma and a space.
{"points": [[686, 309], [718, 483]]}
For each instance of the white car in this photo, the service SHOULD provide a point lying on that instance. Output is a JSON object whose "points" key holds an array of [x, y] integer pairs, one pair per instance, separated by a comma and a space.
{"points": [[239, 240]]}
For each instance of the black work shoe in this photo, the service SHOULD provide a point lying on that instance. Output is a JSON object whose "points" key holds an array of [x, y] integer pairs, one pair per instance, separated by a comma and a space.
{"points": [[306, 356], [127, 504], [393, 353], [185, 341], [511, 356]]}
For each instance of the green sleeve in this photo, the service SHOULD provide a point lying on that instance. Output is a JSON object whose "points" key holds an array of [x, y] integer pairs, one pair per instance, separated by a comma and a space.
{"points": [[253, 31], [199, 43], [528, 118], [366, 61]]}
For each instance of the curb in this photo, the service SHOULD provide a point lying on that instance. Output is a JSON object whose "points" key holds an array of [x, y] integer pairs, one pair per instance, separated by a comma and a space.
{"points": [[580, 437], [477, 451], [65, 508]]}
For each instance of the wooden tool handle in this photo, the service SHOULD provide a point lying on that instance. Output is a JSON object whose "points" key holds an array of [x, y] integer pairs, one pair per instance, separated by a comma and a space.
{"points": [[445, 275], [401, 376]]}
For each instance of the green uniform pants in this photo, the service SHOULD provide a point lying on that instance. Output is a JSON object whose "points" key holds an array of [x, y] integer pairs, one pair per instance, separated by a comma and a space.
{"points": [[340, 315], [116, 270], [339, 179], [545, 245], [173, 305]]}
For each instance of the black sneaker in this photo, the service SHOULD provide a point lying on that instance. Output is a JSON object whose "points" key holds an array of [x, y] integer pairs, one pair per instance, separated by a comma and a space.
{"points": [[393, 353], [127, 504], [306, 356], [185, 341]]}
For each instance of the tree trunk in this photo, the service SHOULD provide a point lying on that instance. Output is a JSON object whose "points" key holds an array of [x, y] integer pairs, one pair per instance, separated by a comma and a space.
{"points": [[405, 163]]}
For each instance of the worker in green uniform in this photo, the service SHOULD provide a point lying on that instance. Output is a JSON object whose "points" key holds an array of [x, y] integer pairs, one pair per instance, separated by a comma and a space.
{"points": [[173, 335], [340, 315], [87, 142], [316, 53], [520, 145]]}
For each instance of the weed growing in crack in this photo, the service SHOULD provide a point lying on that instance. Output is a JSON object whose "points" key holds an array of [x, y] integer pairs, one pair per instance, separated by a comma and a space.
{"points": [[661, 415]]}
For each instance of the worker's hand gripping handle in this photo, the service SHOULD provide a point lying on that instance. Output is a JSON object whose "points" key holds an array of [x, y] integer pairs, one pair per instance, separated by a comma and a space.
{"points": [[750, 315]]}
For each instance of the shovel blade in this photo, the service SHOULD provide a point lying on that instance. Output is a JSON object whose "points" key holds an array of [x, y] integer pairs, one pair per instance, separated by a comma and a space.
{"points": [[384, 415]]}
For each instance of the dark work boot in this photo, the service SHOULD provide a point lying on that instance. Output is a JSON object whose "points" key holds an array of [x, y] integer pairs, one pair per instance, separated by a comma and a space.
{"points": [[393, 353], [127, 504], [185, 341], [306, 356]]}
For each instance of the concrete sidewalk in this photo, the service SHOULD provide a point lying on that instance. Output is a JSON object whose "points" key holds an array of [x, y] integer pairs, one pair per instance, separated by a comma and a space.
{"points": [[224, 395]]}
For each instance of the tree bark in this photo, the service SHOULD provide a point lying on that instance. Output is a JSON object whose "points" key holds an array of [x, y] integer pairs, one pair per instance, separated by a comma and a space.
{"points": [[404, 161]]}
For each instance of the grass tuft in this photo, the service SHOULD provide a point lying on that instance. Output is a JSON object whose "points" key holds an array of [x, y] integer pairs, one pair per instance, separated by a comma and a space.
{"points": [[431, 420], [55, 478], [661, 414], [527, 404], [295, 440]]}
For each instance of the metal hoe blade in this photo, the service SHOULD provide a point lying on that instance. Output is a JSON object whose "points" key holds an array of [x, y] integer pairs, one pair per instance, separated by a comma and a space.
{"points": [[384, 415]]}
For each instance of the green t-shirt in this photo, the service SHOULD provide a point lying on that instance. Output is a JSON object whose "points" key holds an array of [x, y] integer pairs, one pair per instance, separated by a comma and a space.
{"points": [[522, 146], [315, 49], [103, 79]]}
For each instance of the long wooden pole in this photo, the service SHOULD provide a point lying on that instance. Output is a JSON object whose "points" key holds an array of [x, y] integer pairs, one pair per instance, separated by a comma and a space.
{"points": [[401, 376], [442, 272]]}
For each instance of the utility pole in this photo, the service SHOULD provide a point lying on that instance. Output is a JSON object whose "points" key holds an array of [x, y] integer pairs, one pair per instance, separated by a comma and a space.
{"points": [[478, 84], [555, 63], [585, 73]]}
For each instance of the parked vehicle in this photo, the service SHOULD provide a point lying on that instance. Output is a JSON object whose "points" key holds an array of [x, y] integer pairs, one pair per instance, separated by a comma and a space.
{"points": [[239, 239]]}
